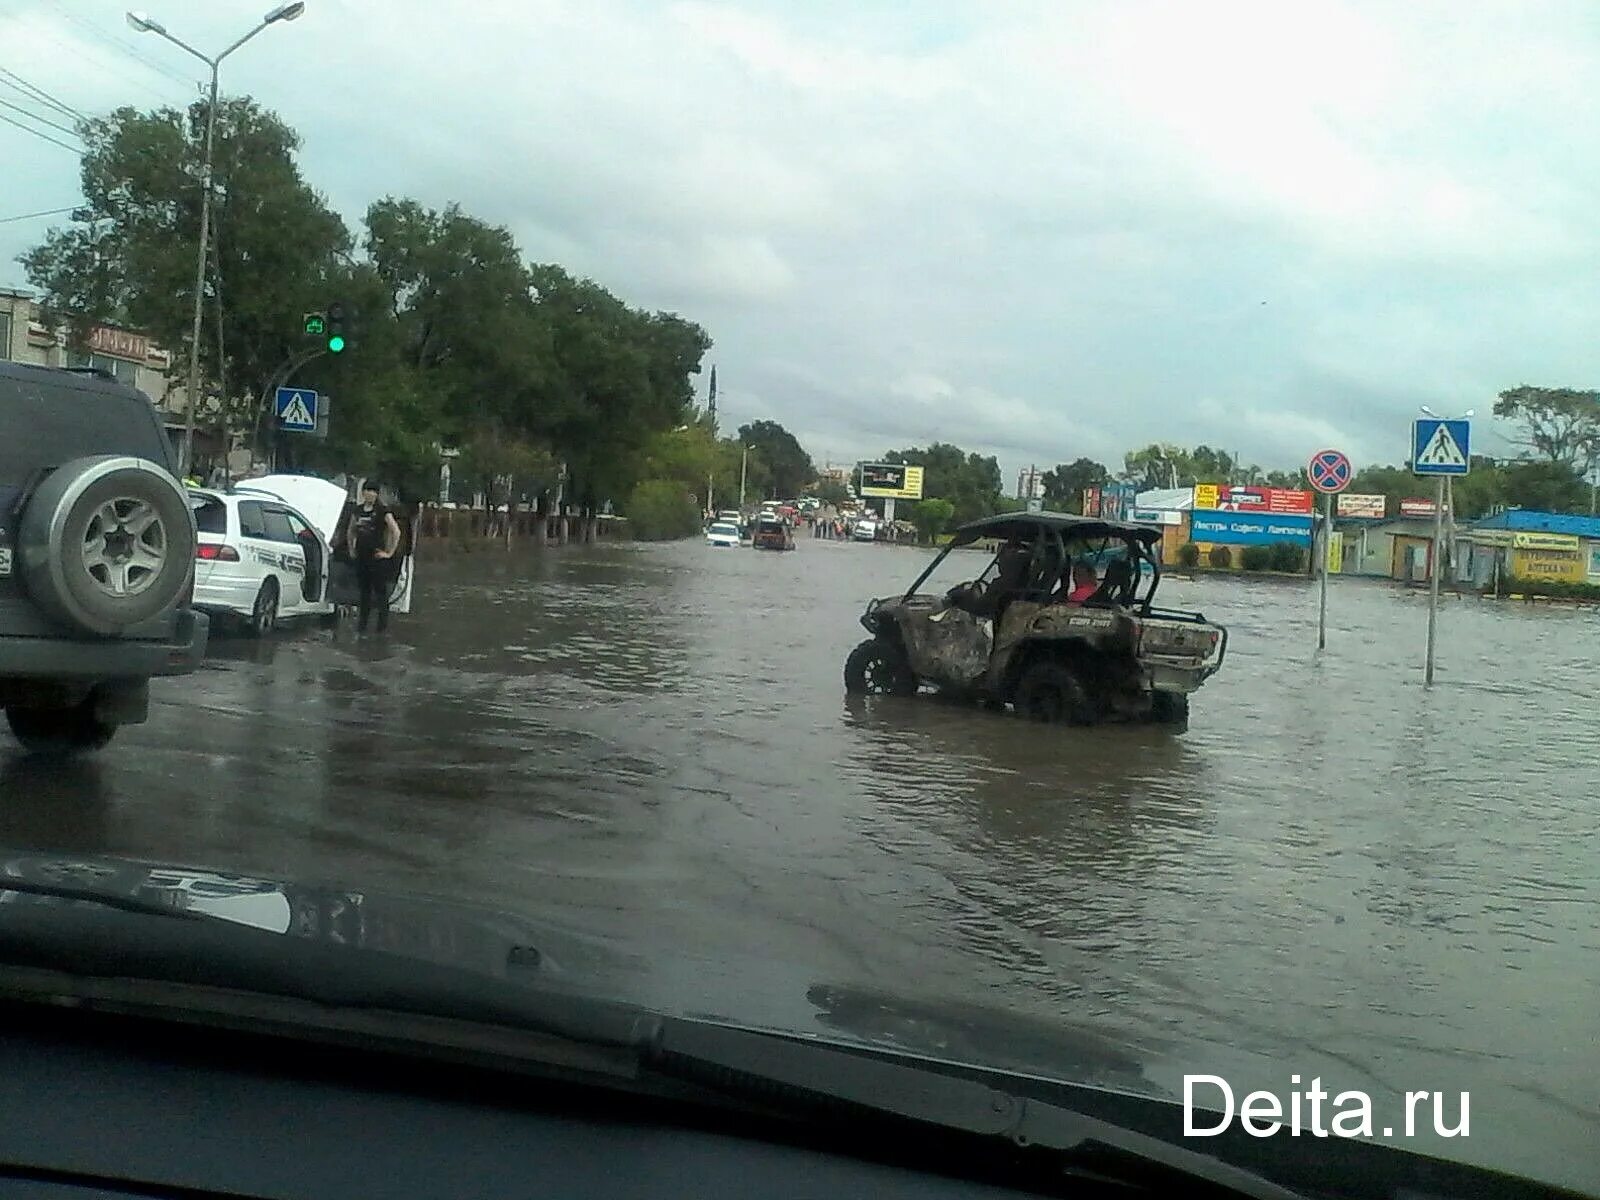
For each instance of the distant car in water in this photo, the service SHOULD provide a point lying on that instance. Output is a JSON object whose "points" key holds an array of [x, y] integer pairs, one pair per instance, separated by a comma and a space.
{"points": [[773, 533], [864, 531], [723, 533]]}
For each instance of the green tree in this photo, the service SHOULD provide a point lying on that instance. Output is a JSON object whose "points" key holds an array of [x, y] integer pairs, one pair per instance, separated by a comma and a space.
{"points": [[1559, 425], [621, 378], [128, 257], [832, 492], [1165, 465], [1546, 486], [659, 510], [788, 466], [1064, 486], [970, 481], [931, 516]]}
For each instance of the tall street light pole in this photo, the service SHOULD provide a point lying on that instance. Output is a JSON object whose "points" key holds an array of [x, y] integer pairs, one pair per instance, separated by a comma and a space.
{"points": [[143, 24], [744, 461]]}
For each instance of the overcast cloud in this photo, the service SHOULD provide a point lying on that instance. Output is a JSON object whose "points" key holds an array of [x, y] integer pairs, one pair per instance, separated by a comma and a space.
{"points": [[1041, 230]]}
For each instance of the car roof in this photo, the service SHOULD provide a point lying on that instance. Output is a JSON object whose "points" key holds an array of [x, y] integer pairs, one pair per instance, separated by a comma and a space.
{"points": [[1025, 525]]}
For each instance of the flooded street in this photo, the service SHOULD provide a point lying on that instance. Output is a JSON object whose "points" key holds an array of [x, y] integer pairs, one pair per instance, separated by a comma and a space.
{"points": [[1334, 872]]}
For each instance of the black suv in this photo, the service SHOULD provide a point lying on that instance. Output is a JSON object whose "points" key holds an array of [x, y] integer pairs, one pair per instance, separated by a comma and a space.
{"points": [[97, 545]]}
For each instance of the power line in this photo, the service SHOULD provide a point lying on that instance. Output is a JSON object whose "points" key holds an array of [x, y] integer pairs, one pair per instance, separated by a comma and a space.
{"points": [[37, 134], [43, 212], [33, 116], [119, 44], [34, 92]]}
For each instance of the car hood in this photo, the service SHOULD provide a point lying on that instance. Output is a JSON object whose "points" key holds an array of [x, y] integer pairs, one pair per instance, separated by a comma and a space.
{"points": [[545, 955], [319, 500]]}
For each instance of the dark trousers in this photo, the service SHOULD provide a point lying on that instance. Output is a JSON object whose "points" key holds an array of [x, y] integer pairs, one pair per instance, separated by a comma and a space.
{"points": [[375, 579]]}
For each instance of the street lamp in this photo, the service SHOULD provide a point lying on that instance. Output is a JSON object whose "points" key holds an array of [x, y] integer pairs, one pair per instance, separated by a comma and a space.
{"points": [[744, 461], [142, 23]]}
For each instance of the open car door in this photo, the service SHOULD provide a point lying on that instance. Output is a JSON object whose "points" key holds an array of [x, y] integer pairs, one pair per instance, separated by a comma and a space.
{"points": [[323, 505]]}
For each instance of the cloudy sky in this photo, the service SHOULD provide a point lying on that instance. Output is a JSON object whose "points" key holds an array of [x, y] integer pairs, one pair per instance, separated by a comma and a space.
{"points": [[1042, 230]]}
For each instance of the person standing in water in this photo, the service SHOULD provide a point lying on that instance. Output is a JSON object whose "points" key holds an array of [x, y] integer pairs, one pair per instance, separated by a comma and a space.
{"points": [[374, 537]]}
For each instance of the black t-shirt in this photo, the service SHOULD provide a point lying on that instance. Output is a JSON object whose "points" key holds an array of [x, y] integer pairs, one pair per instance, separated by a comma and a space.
{"points": [[370, 528]]}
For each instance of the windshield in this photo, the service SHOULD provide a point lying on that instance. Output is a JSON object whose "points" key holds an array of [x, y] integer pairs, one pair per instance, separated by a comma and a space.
{"points": [[535, 311]]}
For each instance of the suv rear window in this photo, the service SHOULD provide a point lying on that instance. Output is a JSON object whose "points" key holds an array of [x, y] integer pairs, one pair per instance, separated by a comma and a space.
{"points": [[46, 421], [210, 515]]}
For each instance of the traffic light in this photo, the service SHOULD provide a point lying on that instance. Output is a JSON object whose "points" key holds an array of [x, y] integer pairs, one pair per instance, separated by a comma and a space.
{"points": [[315, 323], [334, 328]]}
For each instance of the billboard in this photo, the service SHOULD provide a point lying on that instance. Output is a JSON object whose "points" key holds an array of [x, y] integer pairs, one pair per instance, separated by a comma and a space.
{"points": [[1570, 566], [1091, 502], [893, 481], [1357, 504], [1223, 497], [1416, 506], [1117, 500], [1240, 529]]}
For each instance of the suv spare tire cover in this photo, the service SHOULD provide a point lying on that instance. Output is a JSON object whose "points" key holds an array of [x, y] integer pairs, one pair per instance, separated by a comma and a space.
{"points": [[107, 542]]}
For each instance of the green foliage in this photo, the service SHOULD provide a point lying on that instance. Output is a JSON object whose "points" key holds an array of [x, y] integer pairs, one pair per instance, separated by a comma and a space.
{"points": [[931, 516], [1256, 558], [1550, 486], [1556, 589], [1543, 485], [659, 510], [789, 468], [970, 482], [831, 491], [277, 247], [1189, 555], [1164, 465], [1559, 425], [1064, 486], [1287, 557], [453, 339], [1220, 557]]}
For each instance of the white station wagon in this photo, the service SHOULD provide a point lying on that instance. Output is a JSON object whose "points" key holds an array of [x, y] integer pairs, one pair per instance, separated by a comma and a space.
{"points": [[258, 559]]}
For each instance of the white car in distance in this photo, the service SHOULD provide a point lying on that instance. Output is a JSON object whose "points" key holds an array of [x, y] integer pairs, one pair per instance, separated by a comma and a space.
{"points": [[723, 533]]}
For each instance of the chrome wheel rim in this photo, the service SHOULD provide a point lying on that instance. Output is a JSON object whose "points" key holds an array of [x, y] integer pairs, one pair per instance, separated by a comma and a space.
{"points": [[124, 546]]}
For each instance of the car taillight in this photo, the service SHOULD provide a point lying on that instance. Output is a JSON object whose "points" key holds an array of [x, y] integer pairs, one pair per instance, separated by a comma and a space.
{"points": [[211, 550]]}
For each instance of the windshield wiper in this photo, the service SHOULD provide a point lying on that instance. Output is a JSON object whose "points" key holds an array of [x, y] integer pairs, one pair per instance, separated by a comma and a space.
{"points": [[76, 892], [784, 1072]]}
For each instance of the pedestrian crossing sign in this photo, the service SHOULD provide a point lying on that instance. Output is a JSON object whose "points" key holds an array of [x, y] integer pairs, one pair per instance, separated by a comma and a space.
{"points": [[297, 409], [1440, 447]]}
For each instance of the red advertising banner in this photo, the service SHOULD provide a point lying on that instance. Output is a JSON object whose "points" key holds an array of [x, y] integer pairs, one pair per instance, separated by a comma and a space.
{"points": [[1091, 502], [1241, 498]]}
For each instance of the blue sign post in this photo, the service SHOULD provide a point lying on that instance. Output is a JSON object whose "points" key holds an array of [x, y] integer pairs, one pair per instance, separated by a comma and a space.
{"points": [[1441, 448], [296, 409]]}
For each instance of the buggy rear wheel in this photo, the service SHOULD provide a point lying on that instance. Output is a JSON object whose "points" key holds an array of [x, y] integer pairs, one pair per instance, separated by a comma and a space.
{"points": [[1051, 692]]}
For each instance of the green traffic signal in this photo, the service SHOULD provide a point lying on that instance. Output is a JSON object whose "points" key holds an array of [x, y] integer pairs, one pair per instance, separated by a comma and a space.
{"points": [[315, 324], [335, 344]]}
